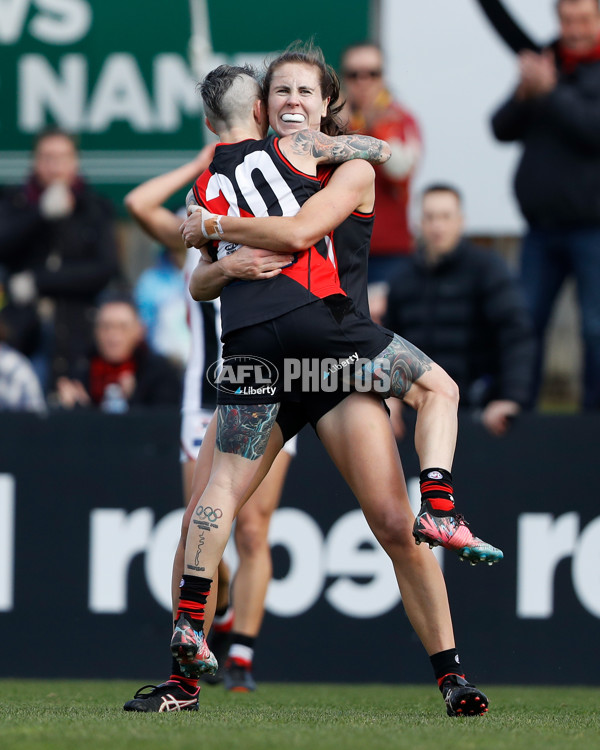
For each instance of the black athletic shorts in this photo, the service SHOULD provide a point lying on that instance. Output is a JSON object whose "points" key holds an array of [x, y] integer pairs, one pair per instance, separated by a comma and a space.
{"points": [[289, 359], [293, 416]]}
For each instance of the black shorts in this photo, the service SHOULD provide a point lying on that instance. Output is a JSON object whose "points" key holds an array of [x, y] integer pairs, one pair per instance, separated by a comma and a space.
{"points": [[293, 416], [262, 362]]}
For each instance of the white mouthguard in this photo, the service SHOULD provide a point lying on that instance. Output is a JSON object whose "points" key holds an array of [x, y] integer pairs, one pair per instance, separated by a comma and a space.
{"points": [[292, 118]]}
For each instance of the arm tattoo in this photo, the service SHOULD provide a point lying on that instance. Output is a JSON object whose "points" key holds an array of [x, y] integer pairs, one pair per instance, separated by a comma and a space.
{"points": [[340, 148], [401, 364], [244, 429]]}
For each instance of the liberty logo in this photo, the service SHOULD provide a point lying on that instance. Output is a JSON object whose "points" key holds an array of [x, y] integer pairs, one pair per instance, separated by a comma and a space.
{"points": [[245, 375]]}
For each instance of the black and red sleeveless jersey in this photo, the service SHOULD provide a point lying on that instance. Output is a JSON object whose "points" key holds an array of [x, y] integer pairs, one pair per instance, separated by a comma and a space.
{"points": [[351, 243], [253, 178], [351, 246]]}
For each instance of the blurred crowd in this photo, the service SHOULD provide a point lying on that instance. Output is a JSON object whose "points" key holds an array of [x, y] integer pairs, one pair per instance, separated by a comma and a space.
{"points": [[75, 333]]}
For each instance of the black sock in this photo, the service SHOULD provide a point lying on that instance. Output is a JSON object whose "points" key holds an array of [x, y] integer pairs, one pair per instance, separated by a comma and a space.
{"points": [[220, 611], [192, 599], [187, 683], [446, 662], [243, 640]]}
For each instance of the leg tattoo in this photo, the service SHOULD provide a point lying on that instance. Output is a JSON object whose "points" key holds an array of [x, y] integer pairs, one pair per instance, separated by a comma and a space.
{"points": [[245, 429], [398, 366], [205, 518]]}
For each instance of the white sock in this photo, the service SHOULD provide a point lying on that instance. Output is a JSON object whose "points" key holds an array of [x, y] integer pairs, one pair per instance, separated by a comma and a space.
{"points": [[243, 653]]}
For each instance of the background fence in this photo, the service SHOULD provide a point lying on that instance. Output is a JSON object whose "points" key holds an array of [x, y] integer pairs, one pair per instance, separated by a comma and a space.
{"points": [[89, 516]]}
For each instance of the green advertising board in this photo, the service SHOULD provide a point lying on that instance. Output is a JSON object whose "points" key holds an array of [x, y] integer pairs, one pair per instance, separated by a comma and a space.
{"points": [[122, 73]]}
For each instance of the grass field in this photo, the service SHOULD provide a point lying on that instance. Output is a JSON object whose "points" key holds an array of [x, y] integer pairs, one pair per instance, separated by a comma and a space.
{"points": [[88, 716]]}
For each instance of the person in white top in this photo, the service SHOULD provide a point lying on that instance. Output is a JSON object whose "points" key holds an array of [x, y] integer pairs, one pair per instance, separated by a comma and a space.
{"points": [[20, 389]]}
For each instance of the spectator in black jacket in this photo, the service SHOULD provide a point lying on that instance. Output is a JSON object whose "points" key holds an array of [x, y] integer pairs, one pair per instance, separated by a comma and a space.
{"points": [[460, 305], [555, 114], [57, 245], [123, 371]]}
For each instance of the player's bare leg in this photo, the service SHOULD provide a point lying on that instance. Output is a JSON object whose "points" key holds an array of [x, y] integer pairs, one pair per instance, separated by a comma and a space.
{"points": [[221, 624], [242, 435], [434, 396], [219, 593], [194, 483], [218, 599], [180, 692], [374, 473], [254, 573], [222, 594], [251, 538], [412, 376], [200, 481]]}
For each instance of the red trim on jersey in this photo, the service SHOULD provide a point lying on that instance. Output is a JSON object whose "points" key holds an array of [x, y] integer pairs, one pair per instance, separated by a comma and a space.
{"points": [[290, 165], [324, 173], [234, 143]]}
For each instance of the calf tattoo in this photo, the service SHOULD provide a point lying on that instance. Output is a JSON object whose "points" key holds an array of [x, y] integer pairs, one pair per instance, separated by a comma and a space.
{"points": [[205, 518], [244, 429]]}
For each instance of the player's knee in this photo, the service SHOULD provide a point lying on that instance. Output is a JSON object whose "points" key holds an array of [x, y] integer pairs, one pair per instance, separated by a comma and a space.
{"points": [[251, 539], [393, 529], [449, 389], [441, 388]]}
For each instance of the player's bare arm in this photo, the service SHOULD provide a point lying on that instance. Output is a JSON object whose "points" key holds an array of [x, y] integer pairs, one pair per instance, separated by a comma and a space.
{"points": [[336, 149], [145, 202], [351, 188], [247, 263]]}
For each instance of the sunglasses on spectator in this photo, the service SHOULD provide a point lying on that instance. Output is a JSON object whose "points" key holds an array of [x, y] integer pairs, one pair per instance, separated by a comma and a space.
{"points": [[354, 75]]}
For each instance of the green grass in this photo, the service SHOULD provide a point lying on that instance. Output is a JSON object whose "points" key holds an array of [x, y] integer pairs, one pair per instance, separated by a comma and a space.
{"points": [[88, 716]]}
